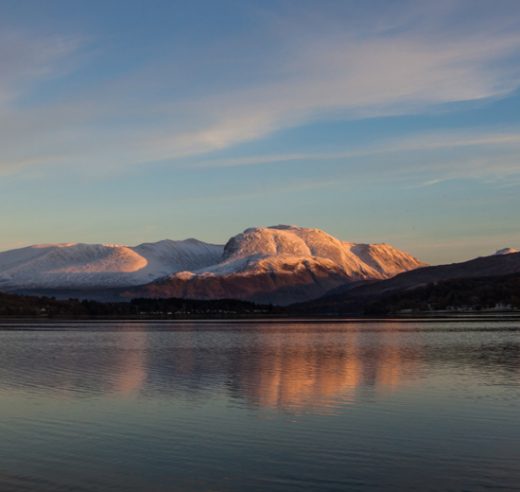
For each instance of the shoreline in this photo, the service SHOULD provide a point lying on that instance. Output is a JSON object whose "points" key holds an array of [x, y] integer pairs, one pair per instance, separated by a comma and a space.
{"points": [[289, 319]]}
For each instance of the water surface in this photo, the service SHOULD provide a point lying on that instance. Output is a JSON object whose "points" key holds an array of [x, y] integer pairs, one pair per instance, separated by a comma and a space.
{"points": [[260, 406]]}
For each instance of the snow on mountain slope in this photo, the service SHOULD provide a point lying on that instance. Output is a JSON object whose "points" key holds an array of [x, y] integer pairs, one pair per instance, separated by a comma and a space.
{"points": [[269, 248], [283, 264], [76, 265], [506, 251]]}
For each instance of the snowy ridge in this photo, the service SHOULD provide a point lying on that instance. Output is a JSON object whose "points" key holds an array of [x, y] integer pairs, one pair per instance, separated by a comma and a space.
{"points": [[77, 265]]}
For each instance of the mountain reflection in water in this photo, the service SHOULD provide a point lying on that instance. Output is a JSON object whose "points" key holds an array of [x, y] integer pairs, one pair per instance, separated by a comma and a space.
{"points": [[315, 369], [292, 369]]}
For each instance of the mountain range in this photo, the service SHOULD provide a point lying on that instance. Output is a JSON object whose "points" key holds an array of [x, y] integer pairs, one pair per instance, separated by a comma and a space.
{"points": [[305, 268], [279, 264]]}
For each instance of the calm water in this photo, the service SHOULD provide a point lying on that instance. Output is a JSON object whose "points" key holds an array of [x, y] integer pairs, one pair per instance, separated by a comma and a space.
{"points": [[260, 406]]}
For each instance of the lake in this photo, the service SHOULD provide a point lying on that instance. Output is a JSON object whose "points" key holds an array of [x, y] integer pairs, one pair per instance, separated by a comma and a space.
{"points": [[246, 406]]}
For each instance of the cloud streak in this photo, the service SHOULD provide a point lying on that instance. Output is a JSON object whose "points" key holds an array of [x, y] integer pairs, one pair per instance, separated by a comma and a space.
{"points": [[26, 59], [421, 160], [381, 68]]}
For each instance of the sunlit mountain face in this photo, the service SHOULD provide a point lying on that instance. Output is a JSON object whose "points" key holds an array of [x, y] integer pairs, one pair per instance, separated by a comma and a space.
{"points": [[281, 265]]}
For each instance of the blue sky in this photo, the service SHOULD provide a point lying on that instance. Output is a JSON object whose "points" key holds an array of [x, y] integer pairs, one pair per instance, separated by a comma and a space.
{"points": [[378, 121]]}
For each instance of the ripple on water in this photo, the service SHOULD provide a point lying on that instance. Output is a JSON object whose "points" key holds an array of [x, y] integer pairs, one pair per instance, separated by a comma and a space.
{"points": [[253, 406]]}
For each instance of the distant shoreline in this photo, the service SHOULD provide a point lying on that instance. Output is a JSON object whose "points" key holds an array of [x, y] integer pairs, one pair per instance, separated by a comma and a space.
{"points": [[289, 319]]}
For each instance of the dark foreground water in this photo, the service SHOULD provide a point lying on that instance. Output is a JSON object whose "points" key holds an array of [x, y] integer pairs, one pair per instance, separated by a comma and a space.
{"points": [[260, 406]]}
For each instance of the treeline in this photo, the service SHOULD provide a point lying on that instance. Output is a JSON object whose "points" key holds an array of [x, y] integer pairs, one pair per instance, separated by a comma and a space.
{"points": [[471, 294], [462, 294], [17, 305]]}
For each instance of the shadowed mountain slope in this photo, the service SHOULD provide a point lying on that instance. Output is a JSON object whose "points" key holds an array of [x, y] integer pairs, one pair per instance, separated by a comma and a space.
{"points": [[356, 298]]}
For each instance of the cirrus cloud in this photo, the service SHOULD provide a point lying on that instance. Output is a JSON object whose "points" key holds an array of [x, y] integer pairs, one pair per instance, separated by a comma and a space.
{"points": [[334, 68]]}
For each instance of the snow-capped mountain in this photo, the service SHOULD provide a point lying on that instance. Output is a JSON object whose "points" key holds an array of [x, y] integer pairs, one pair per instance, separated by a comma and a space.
{"points": [[278, 264], [283, 264], [506, 251], [76, 265]]}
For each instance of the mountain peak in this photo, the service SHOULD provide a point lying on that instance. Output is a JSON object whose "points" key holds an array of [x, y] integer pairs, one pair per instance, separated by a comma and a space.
{"points": [[506, 251], [356, 260]]}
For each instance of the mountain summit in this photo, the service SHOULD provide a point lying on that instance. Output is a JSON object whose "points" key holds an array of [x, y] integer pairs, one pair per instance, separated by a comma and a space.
{"points": [[506, 251], [268, 248]]}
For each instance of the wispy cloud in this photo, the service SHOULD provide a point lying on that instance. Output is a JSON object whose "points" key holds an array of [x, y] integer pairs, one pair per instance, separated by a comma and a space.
{"points": [[322, 69], [421, 160], [418, 142], [27, 58]]}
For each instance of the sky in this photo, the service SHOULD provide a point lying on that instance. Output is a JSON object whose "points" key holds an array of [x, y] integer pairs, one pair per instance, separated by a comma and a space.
{"points": [[377, 121]]}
